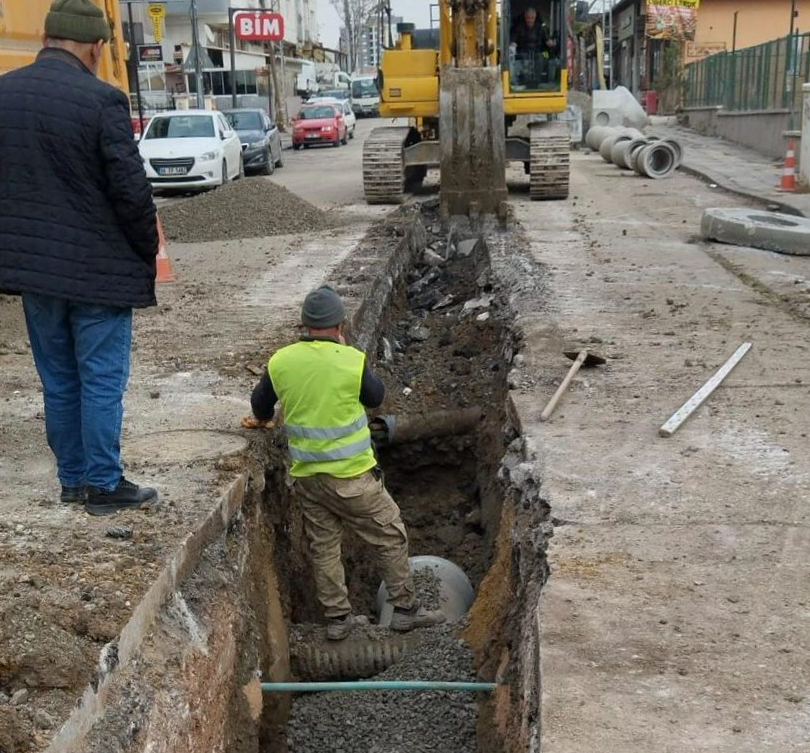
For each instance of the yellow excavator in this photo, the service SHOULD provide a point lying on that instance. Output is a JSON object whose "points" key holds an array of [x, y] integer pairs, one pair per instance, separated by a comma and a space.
{"points": [[21, 26], [474, 94]]}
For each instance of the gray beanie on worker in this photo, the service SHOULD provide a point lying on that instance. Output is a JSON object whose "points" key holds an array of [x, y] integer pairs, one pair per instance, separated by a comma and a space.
{"points": [[322, 309], [77, 20]]}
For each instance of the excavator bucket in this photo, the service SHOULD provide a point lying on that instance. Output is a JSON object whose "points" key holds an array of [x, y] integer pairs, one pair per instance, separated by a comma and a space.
{"points": [[473, 143]]}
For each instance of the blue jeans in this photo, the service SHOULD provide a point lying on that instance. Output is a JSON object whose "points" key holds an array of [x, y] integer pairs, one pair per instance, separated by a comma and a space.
{"points": [[81, 352]]}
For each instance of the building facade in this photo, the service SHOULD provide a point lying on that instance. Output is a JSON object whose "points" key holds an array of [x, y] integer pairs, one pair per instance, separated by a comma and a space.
{"points": [[168, 81]]}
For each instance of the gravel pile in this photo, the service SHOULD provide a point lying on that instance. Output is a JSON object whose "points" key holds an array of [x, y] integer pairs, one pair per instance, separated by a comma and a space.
{"points": [[246, 208], [395, 721]]}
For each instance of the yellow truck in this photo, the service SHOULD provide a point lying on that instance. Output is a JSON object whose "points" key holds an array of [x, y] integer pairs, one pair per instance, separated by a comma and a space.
{"points": [[21, 26]]}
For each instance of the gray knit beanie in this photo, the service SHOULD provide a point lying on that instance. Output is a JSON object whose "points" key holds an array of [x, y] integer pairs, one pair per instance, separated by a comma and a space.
{"points": [[77, 20], [322, 309]]}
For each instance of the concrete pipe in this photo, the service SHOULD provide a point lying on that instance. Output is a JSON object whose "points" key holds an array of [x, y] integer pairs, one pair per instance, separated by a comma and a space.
{"points": [[656, 161], [617, 152], [676, 145], [596, 135], [456, 593], [633, 133], [629, 151], [607, 145]]}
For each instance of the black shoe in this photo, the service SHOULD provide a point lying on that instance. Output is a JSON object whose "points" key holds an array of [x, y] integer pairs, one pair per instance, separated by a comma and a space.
{"points": [[127, 496], [73, 495]]}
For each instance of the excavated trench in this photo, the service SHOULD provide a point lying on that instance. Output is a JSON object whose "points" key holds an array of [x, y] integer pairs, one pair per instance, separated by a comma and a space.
{"points": [[443, 344]]}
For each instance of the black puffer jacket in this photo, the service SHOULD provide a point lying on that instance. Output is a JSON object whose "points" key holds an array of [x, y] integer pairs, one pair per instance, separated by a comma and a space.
{"points": [[77, 219]]}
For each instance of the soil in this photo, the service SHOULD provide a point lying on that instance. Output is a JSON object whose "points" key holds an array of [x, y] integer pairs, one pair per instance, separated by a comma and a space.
{"points": [[246, 208]]}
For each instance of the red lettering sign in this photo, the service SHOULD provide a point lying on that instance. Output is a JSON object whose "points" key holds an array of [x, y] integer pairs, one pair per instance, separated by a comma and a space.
{"points": [[258, 27]]}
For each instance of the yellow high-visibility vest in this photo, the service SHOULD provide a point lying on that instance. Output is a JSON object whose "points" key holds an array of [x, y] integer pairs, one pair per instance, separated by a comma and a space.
{"points": [[318, 384]]}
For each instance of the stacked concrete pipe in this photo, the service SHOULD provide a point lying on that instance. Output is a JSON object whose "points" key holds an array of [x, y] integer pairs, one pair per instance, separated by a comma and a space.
{"points": [[629, 149]]}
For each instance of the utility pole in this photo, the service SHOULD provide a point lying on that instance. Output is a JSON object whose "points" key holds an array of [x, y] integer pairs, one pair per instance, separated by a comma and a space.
{"points": [[134, 64], [195, 42], [734, 32]]}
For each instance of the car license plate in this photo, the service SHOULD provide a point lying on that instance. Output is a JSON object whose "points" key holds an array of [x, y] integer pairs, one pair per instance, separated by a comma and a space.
{"points": [[172, 170], [313, 135]]}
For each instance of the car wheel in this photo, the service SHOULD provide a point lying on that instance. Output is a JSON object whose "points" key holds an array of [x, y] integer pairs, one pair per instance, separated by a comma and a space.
{"points": [[225, 178], [269, 167], [307, 146], [241, 173], [280, 160], [351, 135], [337, 143], [296, 147]]}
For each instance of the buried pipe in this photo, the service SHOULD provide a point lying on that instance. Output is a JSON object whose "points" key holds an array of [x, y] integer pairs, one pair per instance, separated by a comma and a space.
{"points": [[387, 430], [364, 685]]}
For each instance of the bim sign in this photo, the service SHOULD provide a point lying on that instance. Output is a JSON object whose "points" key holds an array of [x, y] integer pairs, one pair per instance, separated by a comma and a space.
{"points": [[259, 27]]}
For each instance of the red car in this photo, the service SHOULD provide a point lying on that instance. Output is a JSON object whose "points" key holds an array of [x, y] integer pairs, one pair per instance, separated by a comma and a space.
{"points": [[319, 124]]}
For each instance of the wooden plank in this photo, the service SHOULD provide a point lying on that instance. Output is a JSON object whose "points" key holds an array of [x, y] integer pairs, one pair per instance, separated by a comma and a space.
{"points": [[694, 402]]}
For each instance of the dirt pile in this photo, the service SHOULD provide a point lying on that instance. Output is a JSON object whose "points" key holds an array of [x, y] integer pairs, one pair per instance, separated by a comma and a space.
{"points": [[395, 721], [242, 209]]}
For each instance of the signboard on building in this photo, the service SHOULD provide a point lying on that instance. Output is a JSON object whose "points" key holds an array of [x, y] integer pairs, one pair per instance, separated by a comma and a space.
{"points": [[700, 50], [150, 53], [156, 13], [258, 27], [626, 23], [672, 19]]}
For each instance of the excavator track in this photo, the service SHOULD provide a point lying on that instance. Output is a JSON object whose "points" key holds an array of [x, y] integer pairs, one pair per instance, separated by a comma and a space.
{"points": [[384, 165], [549, 168]]}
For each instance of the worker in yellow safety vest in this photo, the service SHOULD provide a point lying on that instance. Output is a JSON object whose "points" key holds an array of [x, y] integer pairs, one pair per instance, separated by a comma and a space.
{"points": [[323, 385]]}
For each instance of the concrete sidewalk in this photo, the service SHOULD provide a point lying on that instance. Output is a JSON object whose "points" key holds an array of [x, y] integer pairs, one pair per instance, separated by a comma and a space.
{"points": [[735, 168]]}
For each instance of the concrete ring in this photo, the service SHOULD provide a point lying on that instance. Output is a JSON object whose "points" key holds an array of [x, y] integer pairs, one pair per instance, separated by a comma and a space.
{"points": [[772, 231]]}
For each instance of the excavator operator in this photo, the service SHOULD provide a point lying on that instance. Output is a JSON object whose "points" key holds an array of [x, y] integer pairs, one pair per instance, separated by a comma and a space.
{"points": [[529, 36]]}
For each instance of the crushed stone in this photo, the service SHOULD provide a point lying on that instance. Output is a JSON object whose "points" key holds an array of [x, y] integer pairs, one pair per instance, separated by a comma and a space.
{"points": [[246, 208], [395, 721]]}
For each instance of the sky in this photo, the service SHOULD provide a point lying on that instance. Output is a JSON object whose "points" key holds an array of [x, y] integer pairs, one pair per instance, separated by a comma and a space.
{"points": [[412, 11]]}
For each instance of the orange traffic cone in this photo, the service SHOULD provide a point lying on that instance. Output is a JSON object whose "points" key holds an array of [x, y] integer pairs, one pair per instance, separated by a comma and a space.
{"points": [[165, 273], [788, 182]]}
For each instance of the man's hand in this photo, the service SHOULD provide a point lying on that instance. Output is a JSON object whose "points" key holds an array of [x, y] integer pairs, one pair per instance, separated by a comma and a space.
{"points": [[249, 422]]}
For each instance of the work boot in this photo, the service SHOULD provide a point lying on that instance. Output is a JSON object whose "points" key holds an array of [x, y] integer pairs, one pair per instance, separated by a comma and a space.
{"points": [[127, 496], [339, 628], [417, 616], [73, 495]]}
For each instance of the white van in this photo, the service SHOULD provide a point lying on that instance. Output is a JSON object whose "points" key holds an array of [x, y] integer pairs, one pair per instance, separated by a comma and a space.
{"points": [[365, 96]]}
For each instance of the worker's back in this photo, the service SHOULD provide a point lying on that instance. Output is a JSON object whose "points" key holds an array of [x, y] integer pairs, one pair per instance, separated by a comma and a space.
{"points": [[318, 383], [72, 188]]}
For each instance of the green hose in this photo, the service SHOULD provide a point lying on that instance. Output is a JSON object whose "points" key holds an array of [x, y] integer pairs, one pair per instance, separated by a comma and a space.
{"points": [[315, 687]]}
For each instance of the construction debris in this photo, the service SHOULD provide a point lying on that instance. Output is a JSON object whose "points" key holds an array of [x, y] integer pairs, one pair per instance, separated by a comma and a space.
{"points": [[694, 402], [772, 231]]}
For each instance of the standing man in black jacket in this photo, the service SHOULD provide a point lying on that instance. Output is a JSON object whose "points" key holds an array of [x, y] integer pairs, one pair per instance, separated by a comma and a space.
{"points": [[78, 241]]}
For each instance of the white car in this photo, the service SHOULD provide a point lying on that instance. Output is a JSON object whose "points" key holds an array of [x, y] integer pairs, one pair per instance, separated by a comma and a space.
{"points": [[190, 150], [345, 108]]}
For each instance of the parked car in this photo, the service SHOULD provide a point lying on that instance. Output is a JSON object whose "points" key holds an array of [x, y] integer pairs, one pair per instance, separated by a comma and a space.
{"points": [[346, 108], [190, 150], [333, 94], [319, 124], [261, 140]]}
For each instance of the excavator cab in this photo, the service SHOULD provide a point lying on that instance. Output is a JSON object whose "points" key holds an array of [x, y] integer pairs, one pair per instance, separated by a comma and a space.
{"points": [[533, 40]]}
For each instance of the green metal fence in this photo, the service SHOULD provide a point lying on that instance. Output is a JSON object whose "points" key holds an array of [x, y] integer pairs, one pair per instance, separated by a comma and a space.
{"points": [[765, 77]]}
